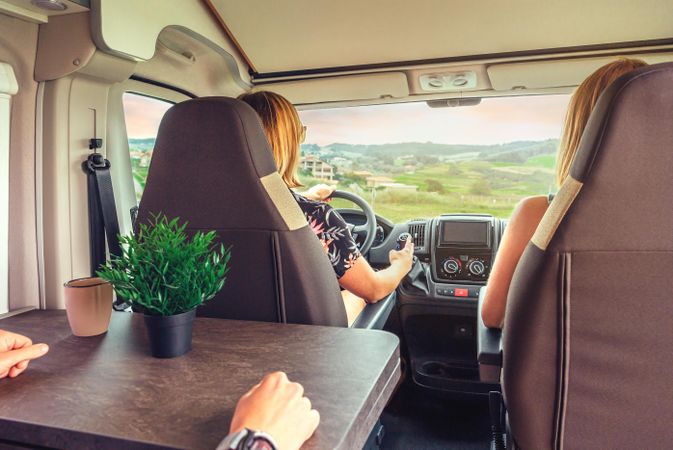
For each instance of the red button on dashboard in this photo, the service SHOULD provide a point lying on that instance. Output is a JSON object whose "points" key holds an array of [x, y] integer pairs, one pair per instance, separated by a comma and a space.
{"points": [[461, 292]]}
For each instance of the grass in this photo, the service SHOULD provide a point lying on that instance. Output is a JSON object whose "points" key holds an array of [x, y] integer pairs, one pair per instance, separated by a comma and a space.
{"points": [[546, 161], [466, 187]]}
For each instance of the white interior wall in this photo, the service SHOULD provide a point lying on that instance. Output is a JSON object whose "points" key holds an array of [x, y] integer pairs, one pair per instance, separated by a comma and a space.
{"points": [[68, 125], [5, 102], [8, 87], [18, 43]]}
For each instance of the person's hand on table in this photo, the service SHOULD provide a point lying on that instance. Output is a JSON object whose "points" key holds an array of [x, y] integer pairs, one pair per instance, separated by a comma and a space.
{"points": [[319, 192], [15, 353], [277, 407]]}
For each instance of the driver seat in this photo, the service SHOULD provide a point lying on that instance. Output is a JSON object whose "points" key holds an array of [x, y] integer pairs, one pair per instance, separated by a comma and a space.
{"points": [[212, 167]]}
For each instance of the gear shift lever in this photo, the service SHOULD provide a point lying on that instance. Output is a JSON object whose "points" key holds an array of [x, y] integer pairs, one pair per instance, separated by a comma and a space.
{"points": [[416, 276], [402, 240]]}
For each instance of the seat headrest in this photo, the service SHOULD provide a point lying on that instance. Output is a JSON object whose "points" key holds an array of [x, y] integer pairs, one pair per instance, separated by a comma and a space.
{"points": [[621, 172], [636, 94], [222, 141]]}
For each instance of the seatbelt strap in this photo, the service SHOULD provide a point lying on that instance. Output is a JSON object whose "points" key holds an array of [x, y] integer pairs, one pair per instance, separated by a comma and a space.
{"points": [[102, 215], [496, 407]]}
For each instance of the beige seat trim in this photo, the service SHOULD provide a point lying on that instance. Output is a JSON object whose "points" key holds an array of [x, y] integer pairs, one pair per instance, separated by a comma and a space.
{"points": [[555, 213], [285, 204]]}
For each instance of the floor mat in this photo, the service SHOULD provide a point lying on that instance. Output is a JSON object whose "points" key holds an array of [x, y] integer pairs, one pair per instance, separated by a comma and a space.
{"points": [[418, 419]]}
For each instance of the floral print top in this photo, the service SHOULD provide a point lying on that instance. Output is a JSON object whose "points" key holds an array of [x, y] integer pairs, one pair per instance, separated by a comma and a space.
{"points": [[334, 235]]}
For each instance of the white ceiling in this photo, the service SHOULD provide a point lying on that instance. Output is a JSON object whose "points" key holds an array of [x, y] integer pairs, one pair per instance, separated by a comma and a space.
{"points": [[310, 34]]}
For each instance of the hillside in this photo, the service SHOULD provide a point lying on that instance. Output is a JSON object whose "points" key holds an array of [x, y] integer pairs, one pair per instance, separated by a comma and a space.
{"points": [[518, 151], [439, 178]]}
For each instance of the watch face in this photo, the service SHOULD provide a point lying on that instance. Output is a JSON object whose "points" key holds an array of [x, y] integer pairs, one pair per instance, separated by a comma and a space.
{"points": [[258, 440]]}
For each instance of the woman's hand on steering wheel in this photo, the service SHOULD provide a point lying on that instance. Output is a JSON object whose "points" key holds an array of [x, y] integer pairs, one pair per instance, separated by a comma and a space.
{"points": [[368, 229], [319, 192]]}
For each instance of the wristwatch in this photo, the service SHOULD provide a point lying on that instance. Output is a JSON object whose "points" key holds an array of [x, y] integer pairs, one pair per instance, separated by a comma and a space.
{"points": [[247, 439]]}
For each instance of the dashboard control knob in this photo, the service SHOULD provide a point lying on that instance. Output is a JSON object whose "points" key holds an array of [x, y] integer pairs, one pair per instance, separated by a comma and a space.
{"points": [[452, 266], [476, 267]]}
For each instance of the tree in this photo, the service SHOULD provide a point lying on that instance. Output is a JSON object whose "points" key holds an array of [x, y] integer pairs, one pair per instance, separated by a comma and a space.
{"points": [[434, 186], [480, 186], [453, 170]]}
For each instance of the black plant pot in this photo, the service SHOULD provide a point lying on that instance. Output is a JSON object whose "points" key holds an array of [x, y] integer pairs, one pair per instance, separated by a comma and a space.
{"points": [[170, 336]]}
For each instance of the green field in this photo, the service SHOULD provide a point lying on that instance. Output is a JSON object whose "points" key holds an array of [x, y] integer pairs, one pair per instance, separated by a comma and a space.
{"points": [[473, 186], [139, 177], [462, 187]]}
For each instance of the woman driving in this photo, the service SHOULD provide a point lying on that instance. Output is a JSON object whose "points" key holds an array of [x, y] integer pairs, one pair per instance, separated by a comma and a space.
{"points": [[528, 213], [285, 133]]}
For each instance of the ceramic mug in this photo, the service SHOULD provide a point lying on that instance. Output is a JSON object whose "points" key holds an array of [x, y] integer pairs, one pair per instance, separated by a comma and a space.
{"points": [[88, 305]]}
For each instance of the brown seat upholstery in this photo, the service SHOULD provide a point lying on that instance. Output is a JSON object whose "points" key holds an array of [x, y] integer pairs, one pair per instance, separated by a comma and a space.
{"points": [[212, 167], [588, 335]]}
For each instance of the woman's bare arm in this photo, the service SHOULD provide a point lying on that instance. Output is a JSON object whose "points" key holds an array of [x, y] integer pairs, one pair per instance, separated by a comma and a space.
{"points": [[520, 229], [372, 286]]}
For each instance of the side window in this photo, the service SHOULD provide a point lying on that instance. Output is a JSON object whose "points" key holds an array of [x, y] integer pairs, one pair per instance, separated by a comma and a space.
{"points": [[142, 115]]}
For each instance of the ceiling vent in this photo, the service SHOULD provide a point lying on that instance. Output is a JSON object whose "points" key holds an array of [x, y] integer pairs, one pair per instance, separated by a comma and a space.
{"points": [[450, 81]]}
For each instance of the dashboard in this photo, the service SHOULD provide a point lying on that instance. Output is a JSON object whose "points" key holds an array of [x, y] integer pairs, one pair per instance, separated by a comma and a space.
{"points": [[437, 301], [455, 251]]}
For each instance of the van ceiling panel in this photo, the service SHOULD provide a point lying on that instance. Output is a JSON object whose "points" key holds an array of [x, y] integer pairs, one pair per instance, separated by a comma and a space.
{"points": [[183, 61], [345, 88], [26, 10], [561, 73], [304, 34], [131, 28]]}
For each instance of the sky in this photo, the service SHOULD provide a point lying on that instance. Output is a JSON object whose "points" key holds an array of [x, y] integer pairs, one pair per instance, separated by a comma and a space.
{"points": [[494, 121], [143, 115]]}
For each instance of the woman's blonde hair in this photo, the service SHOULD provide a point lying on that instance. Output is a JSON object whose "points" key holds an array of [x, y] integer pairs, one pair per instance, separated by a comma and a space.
{"points": [[283, 130], [581, 104]]}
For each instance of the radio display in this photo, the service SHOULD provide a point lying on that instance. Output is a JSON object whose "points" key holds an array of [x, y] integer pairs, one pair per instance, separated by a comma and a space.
{"points": [[465, 233]]}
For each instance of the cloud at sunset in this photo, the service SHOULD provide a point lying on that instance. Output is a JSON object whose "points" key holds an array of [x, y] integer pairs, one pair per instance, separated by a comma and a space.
{"points": [[494, 121]]}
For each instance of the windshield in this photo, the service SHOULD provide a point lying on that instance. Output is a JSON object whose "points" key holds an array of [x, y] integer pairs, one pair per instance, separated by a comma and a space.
{"points": [[412, 161]]}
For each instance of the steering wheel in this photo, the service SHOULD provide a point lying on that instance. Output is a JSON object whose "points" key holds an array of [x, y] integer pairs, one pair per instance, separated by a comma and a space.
{"points": [[369, 227]]}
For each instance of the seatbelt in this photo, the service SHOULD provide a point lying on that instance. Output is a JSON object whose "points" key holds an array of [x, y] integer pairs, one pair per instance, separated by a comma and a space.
{"points": [[102, 215]]}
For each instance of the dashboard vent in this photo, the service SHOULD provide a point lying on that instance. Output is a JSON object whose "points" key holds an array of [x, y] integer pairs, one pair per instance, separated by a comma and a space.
{"points": [[417, 231]]}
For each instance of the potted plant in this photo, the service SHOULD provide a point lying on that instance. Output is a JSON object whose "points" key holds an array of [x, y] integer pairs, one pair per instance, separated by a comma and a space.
{"points": [[165, 275]]}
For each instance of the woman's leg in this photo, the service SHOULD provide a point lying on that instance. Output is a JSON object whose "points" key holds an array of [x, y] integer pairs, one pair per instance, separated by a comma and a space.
{"points": [[354, 305]]}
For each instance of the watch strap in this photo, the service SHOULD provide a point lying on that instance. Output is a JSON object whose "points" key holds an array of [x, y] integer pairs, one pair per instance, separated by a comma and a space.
{"points": [[247, 439]]}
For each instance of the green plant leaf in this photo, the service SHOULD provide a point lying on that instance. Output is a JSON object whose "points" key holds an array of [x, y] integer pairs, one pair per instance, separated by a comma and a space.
{"points": [[162, 271]]}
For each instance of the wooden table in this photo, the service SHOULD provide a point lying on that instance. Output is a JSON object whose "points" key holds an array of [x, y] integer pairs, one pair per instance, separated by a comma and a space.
{"points": [[107, 392]]}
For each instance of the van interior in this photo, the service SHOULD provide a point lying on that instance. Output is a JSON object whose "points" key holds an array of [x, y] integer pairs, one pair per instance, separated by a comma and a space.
{"points": [[430, 118]]}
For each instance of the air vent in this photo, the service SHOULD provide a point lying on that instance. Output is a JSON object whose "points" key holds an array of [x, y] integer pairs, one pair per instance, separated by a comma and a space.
{"points": [[417, 231], [450, 81]]}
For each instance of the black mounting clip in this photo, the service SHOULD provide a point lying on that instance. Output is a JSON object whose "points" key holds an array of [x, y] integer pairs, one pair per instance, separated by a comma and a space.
{"points": [[95, 143]]}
